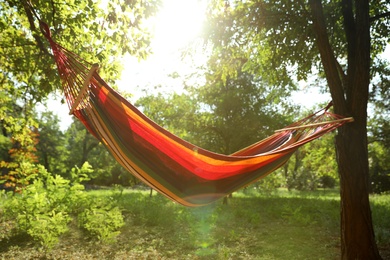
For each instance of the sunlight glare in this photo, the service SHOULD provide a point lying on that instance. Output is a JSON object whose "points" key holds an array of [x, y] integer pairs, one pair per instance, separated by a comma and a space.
{"points": [[177, 25]]}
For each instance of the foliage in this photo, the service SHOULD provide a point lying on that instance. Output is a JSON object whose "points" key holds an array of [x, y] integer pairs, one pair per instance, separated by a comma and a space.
{"points": [[378, 136], [381, 221], [102, 30], [276, 40], [271, 183], [44, 208], [80, 142], [78, 175], [46, 228], [102, 220], [313, 166], [19, 164], [51, 149], [379, 167], [63, 154], [85, 147], [238, 111]]}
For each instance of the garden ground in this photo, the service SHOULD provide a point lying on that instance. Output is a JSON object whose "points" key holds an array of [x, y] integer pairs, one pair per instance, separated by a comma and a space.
{"points": [[281, 225]]}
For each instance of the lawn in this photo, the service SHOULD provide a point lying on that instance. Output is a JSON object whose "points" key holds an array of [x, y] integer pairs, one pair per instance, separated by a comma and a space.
{"points": [[283, 225]]}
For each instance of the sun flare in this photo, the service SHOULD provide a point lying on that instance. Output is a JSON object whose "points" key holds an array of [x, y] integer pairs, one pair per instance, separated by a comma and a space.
{"points": [[177, 24]]}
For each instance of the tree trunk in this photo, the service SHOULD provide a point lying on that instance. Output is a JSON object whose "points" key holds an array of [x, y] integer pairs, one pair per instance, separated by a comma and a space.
{"points": [[350, 96], [357, 234]]}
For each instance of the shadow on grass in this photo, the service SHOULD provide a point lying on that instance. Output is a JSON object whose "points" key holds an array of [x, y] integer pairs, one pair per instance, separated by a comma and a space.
{"points": [[19, 240]]}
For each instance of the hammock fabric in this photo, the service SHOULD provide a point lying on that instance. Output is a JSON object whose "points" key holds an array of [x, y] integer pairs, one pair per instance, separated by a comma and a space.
{"points": [[179, 170]]}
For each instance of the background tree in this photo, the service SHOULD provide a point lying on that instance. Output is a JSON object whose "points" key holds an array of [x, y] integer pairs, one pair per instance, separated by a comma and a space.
{"points": [[379, 130], [20, 162], [178, 113], [285, 40], [379, 167], [313, 166], [107, 171], [96, 30], [241, 107], [51, 149], [80, 142], [84, 148], [18, 139]]}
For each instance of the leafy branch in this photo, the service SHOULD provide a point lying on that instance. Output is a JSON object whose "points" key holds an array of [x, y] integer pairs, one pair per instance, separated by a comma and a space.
{"points": [[30, 17], [379, 16]]}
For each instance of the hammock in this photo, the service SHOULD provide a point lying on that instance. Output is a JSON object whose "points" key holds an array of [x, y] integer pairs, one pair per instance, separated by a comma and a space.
{"points": [[181, 171]]}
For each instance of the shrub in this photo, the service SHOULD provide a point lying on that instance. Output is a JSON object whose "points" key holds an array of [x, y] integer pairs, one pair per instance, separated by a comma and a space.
{"points": [[47, 227], [327, 181], [102, 221], [43, 208], [46, 206]]}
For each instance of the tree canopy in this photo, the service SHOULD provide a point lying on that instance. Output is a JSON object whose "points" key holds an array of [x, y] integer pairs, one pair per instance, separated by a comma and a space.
{"points": [[277, 39], [93, 29]]}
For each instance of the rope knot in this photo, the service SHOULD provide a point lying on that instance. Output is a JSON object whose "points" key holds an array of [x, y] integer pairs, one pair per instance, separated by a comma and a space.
{"points": [[45, 30]]}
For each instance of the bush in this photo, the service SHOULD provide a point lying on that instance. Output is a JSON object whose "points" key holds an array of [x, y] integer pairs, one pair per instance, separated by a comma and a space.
{"points": [[380, 183], [327, 181], [42, 209], [269, 184], [46, 206], [303, 180], [102, 221], [47, 227]]}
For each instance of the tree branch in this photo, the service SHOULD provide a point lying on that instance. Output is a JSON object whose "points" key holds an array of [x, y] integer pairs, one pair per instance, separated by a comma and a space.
{"points": [[379, 16], [343, 76], [328, 59], [17, 45], [53, 12], [33, 28], [350, 32]]}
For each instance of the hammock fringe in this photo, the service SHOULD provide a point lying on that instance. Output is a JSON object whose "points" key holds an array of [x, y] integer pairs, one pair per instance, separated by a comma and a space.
{"points": [[347, 119], [84, 89]]}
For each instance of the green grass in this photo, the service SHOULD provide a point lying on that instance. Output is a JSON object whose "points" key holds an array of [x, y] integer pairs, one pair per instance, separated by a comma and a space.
{"points": [[284, 225], [380, 205]]}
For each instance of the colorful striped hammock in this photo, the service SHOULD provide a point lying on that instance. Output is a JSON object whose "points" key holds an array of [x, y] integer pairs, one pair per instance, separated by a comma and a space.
{"points": [[181, 171]]}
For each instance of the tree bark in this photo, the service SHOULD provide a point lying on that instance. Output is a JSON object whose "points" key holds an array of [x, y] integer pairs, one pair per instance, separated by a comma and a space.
{"points": [[357, 234], [350, 98]]}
